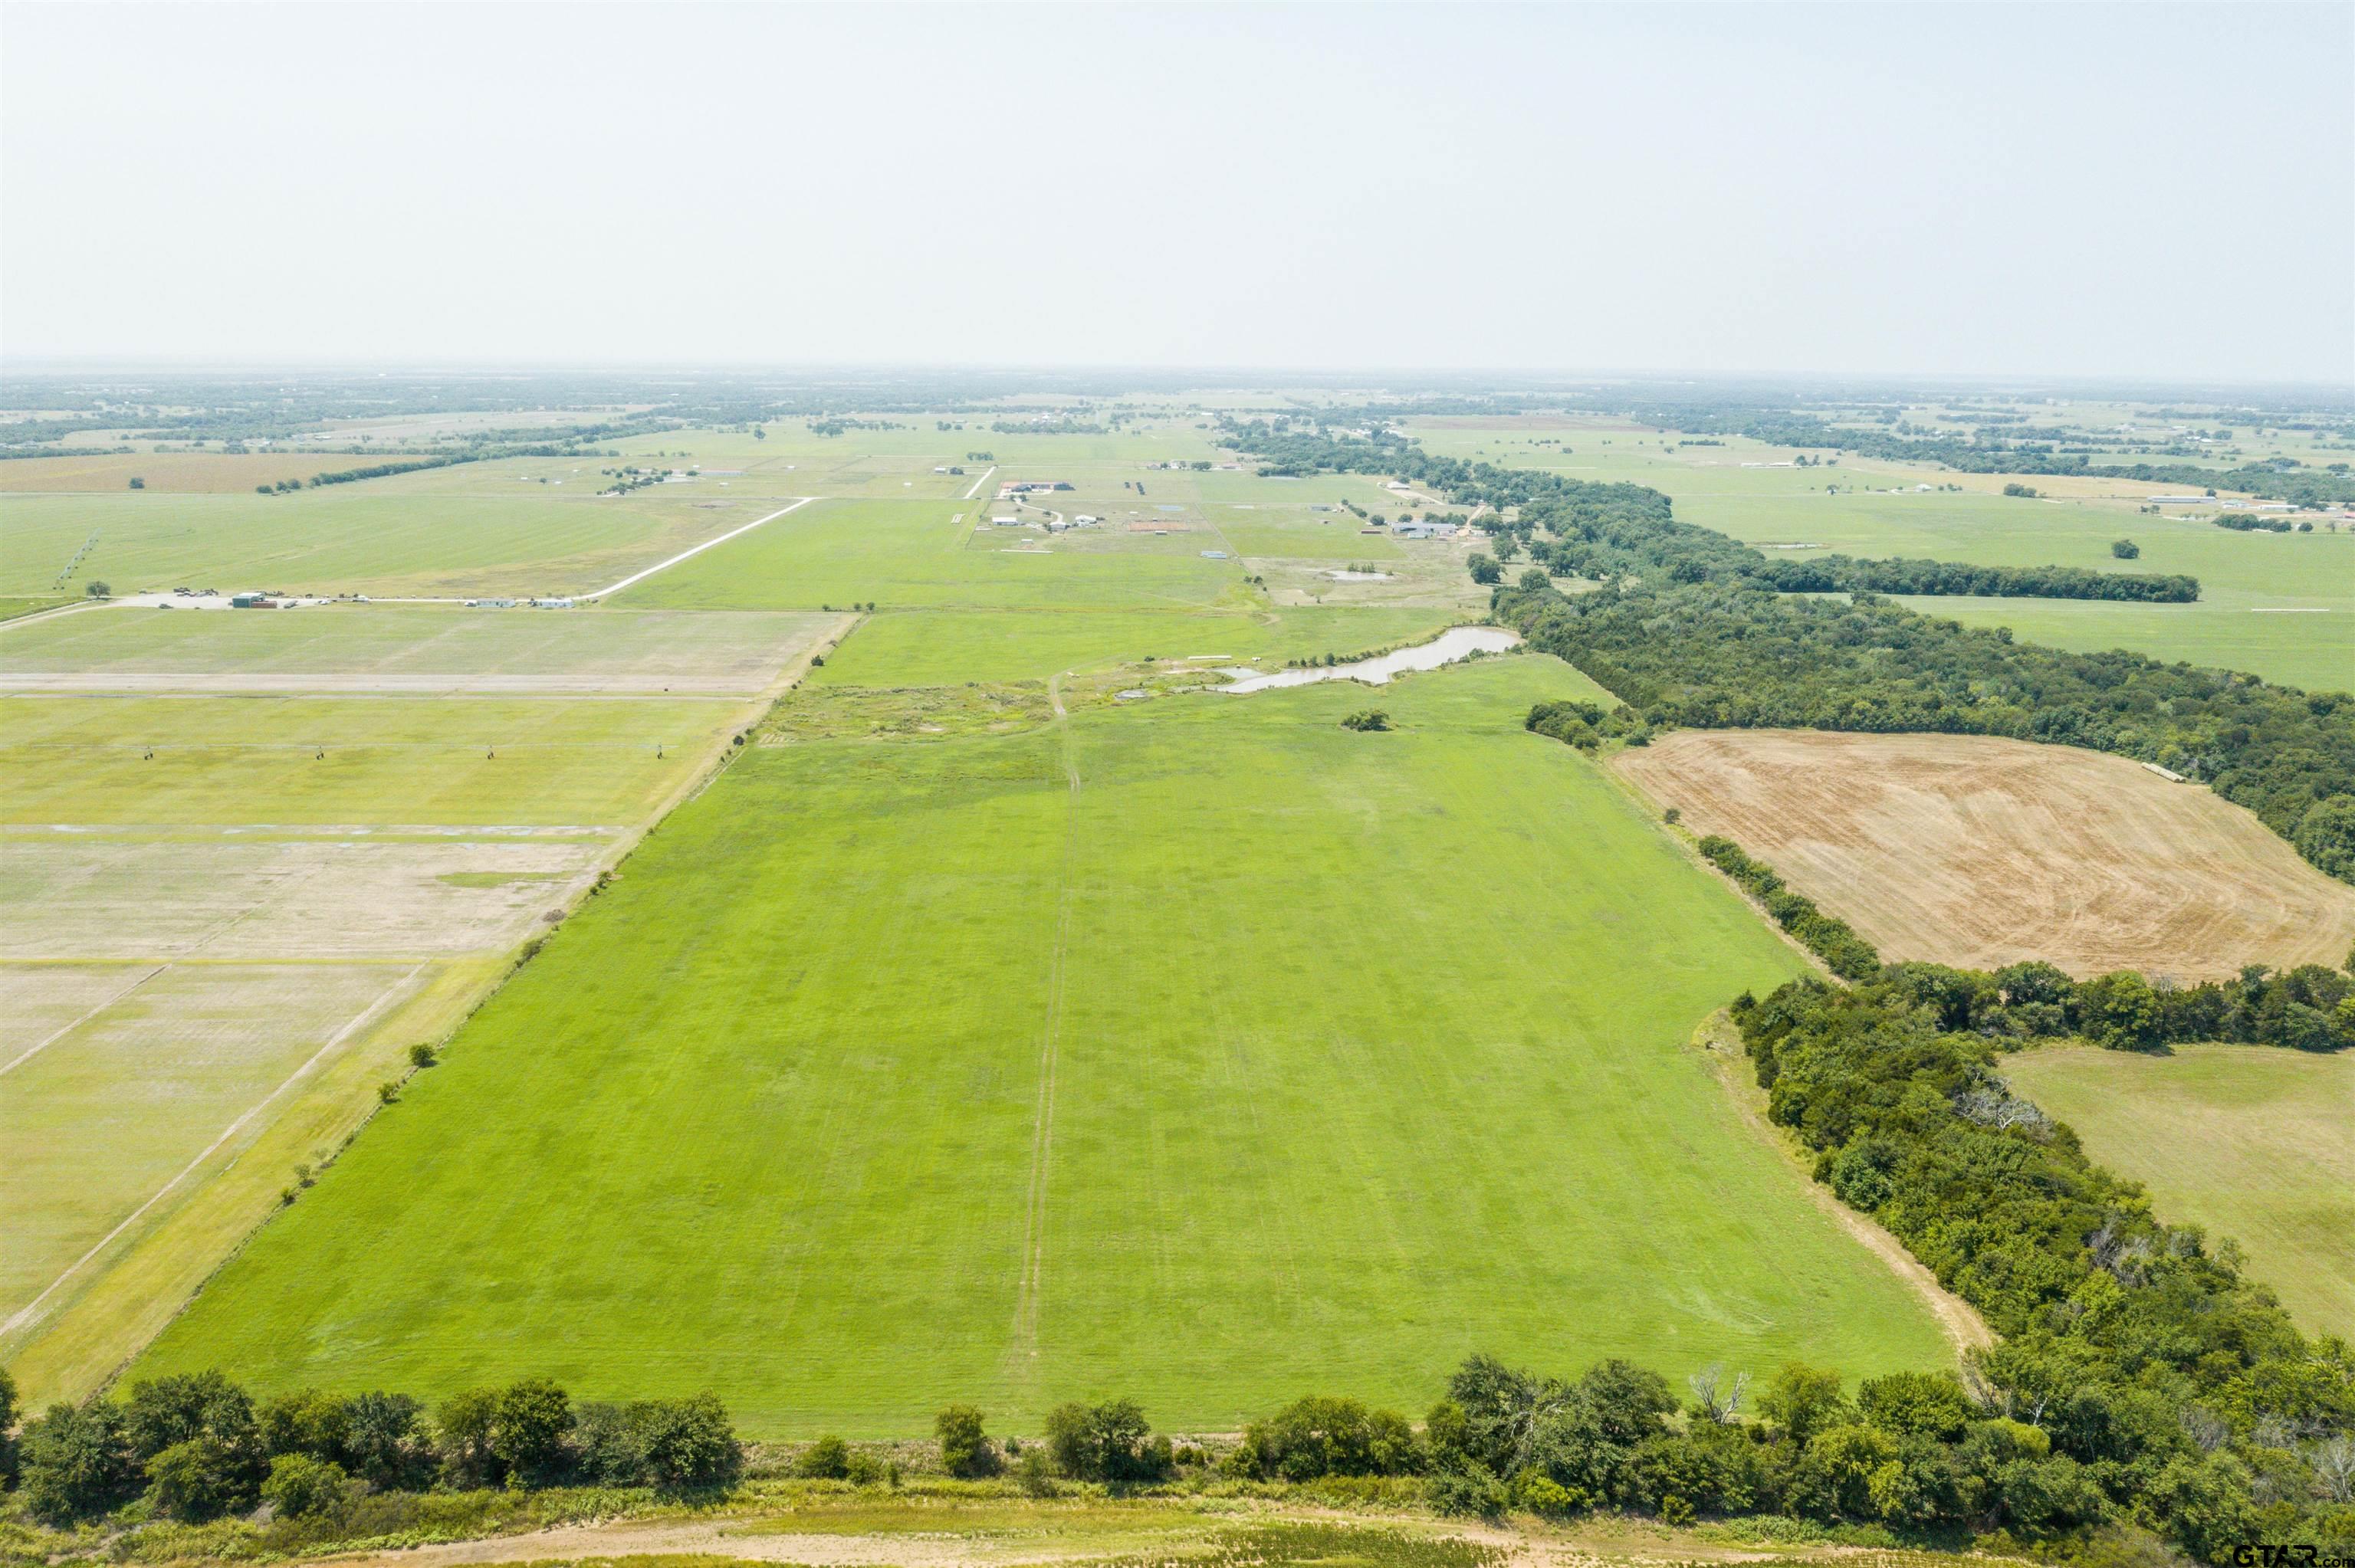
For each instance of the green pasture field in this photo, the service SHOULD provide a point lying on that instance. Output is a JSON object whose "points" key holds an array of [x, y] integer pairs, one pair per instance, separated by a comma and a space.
{"points": [[10, 609], [1196, 1049], [585, 649], [2280, 605], [904, 554], [947, 647], [2247, 1140], [219, 761], [388, 536]]}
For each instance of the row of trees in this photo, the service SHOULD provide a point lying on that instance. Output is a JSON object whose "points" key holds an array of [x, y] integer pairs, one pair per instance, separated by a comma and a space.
{"points": [[1830, 937], [197, 1446], [1841, 574]]}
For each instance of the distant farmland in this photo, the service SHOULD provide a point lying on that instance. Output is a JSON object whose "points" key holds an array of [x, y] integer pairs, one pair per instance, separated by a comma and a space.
{"points": [[1198, 1049]]}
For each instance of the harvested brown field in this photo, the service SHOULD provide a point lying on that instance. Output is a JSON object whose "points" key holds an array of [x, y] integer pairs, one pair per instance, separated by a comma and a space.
{"points": [[1979, 852]]}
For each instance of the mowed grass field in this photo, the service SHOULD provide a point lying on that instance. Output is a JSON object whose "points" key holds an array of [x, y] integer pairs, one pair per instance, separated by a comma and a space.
{"points": [[942, 554], [1981, 851], [352, 647], [411, 534], [2280, 605], [1194, 1049], [2249, 1141]]}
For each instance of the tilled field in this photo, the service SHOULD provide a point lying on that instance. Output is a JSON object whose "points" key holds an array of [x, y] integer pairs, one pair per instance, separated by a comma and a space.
{"points": [[1980, 851]]}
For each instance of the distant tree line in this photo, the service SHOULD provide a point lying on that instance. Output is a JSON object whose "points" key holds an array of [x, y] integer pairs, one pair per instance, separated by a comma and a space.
{"points": [[2274, 479], [2249, 522], [1836, 574]]}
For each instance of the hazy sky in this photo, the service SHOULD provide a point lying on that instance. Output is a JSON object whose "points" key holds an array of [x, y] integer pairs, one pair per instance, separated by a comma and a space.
{"points": [[2150, 191]]}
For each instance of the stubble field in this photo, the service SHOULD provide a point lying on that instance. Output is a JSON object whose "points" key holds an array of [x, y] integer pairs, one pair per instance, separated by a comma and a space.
{"points": [[1980, 851]]}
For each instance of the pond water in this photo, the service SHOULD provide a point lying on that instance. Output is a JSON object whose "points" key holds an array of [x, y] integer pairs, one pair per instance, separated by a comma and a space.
{"points": [[1457, 642]]}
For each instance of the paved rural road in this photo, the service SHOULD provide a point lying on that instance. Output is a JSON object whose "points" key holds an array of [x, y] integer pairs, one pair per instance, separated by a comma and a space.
{"points": [[683, 554]]}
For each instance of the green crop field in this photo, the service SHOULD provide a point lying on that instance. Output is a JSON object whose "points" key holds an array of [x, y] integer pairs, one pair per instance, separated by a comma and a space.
{"points": [[2250, 1141], [1197, 1049]]}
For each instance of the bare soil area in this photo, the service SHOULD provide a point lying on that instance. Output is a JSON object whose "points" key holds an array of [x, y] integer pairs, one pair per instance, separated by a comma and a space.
{"points": [[230, 896], [1979, 852]]}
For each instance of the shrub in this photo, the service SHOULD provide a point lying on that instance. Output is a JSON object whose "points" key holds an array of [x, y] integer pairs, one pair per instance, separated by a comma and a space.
{"points": [[686, 1444], [1105, 1442], [964, 1450], [827, 1459], [1540, 1493], [2124, 549], [1035, 1475], [1468, 1491], [1320, 1437], [862, 1469], [300, 1487], [1367, 719]]}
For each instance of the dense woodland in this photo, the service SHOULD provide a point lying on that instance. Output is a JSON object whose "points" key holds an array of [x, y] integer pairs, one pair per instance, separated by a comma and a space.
{"points": [[2162, 1384]]}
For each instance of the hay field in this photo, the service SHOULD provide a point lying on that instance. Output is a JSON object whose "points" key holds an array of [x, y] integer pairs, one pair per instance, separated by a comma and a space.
{"points": [[2249, 1141], [149, 1081], [357, 648], [214, 761], [1197, 1049], [345, 894], [1978, 852], [240, 909], [383, 538]]}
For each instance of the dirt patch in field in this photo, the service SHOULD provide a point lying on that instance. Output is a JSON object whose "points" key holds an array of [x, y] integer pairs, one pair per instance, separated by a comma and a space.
{"points": [[224, 896], [1979, 852]]}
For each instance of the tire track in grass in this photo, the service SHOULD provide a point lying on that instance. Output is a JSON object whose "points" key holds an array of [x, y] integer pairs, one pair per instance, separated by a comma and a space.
{"points": [[1025, 1348], [398, 990]]}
